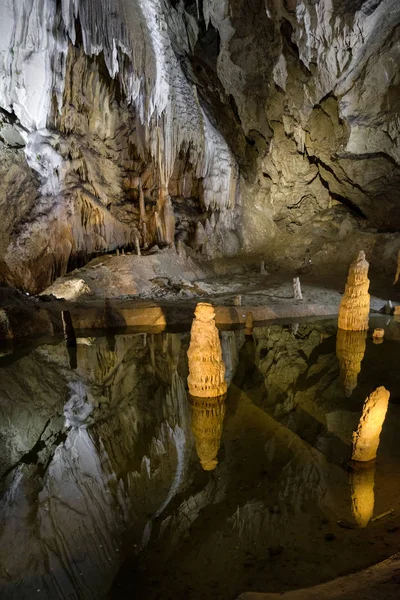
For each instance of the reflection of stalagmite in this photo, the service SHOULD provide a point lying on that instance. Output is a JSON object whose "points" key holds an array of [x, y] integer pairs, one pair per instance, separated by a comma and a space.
{"points": [[366, 438], [350, 349], [207, 420], [354, 307], [206, 367], [362, 492]]}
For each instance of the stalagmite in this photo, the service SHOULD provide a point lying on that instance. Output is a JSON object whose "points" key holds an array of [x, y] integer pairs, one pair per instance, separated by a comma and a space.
{"points": [[350, 350], [200, 237], [207, 421], [206, 367], [354, 307], [297, 289], [237, 301], [362, 492], [117, 252], [180, 248], [137, 246], [263, 270], [378, 335], [123, 252], [366, 439]]}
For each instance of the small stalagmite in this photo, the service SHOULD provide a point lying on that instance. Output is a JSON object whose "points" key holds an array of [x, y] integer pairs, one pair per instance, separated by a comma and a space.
{"points": [[366, 439], [350, 350], [207, 421], [378, 335], [206, 367], [354, 307], [297, 289], [362, 478]]}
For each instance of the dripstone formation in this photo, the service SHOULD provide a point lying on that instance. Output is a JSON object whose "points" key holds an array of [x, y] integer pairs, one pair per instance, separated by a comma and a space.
{"points": [[366, 438], [206, 367], [354, 307]]}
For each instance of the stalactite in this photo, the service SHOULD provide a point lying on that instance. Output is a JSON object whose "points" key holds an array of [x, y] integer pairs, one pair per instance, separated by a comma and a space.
{"points": [[206, 367], [207, 421], [354, 307], [142, 208], [350, 350]]}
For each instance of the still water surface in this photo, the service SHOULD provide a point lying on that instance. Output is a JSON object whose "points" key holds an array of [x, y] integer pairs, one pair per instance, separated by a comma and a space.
{"points": [[103, 490]]}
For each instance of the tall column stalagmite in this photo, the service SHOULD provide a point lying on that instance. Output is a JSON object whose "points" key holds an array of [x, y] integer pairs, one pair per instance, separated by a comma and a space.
{"points": [[207, 420], [206, 367], [350, 350], [366, 438], [354, 307]]}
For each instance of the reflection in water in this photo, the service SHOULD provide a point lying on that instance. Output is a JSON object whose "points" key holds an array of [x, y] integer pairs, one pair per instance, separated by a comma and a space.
{"points": [[362, 492], [100, 469], [207, 420], [206, 367], [366, 438], [350, 350]]}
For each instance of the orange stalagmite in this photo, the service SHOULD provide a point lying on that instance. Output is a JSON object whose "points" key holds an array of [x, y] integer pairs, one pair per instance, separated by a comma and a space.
{"points": [[206, 367], [350, 350], [366, 438], [354, 307], [207, 420]]}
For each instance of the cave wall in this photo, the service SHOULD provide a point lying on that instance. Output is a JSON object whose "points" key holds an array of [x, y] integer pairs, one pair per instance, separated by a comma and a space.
{"points": [[154, 120]]}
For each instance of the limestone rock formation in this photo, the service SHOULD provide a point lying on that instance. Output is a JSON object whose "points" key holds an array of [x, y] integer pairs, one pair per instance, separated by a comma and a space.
{"points": [[206, 368], [124, 120], [354, 306], [366, 439], [207, 421], [350, 350]]}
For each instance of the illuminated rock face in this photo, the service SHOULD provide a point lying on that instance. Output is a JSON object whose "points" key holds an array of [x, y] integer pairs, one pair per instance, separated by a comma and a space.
{"points": [[354, 307], [350, 350], [366, 438], [206, 367], [207, 420], [362, 493]]}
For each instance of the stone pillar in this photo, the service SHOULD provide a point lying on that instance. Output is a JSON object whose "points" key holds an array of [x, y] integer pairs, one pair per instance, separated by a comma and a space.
{"points": [[297, 289], [366, 439], [354, 307], [206, 367]]}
